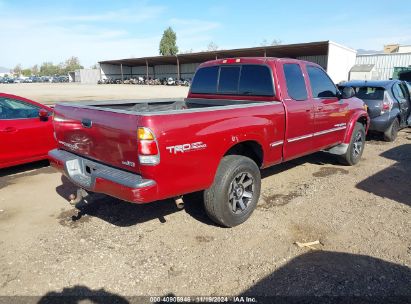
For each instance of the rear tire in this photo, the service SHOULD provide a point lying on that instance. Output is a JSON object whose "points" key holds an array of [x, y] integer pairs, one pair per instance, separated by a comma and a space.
{"points": [[234, 194], [391, 133], [356, 147]]}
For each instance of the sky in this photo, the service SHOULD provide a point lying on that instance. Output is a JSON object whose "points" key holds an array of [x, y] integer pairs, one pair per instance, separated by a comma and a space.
{"points": [[33, 32]]}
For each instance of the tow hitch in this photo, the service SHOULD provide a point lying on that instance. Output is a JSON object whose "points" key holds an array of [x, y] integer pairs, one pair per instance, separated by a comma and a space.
{"points": [[81, 194], [179, 202]]}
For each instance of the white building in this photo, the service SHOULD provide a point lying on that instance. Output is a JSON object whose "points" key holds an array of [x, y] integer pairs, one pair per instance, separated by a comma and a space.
{"points": [[386, 65], [85, 76], [363, 72]]}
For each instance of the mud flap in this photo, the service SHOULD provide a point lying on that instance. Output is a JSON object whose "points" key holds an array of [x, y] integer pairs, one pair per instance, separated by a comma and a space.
{"points": [[338, 150]]}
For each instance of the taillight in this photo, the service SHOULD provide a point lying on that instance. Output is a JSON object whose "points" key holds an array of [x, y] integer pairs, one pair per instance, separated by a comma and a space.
{"points": [[148, 153], [232, 60], [387, 103]]}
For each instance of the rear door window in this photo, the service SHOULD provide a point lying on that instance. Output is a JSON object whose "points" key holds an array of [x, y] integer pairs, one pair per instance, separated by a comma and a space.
{"points": [[398, 92], [295, 81], [321, 84], [228, 80]]}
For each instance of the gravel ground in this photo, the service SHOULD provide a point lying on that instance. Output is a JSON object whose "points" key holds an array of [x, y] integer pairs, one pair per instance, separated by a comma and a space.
{"points": [[361, 215], [50, 93]]}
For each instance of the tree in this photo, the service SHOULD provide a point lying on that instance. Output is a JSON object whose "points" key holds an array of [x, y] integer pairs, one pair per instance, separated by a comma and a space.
{"points": [[17, 69], [187, 51], [26, 72], [49, 69], [274, 42], [35, 70], [264, 42], [70, 65], [95, 66], [212, 46], [168, 43]]}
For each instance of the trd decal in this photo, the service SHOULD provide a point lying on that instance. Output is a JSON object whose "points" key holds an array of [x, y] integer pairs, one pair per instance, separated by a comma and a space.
{"points": [[184, 148]]}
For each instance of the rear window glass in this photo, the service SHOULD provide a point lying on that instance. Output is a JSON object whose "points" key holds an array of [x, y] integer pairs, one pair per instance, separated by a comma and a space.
{"points": [[295, 81], [228, 82], [205, 81], [369, 93], [255, 80]]}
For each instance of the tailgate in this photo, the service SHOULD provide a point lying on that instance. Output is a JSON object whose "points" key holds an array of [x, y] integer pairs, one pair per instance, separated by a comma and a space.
{"points": [[373, 107], [104, 136]]}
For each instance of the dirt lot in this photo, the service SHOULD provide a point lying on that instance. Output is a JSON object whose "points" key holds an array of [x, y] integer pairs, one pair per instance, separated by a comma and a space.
{"points": [[49, 93], [361, 215]]}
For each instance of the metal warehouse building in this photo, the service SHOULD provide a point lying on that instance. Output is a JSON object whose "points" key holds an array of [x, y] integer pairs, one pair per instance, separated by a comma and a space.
{"points": [[386, 66], [334, 58]]}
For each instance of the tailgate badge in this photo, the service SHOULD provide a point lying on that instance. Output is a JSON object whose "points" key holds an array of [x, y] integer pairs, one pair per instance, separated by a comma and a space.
{"points": [[129, 163]]}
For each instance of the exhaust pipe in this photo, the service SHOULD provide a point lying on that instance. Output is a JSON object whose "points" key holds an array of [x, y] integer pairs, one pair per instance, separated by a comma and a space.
{"points": [[74, 199], [179, 202]]}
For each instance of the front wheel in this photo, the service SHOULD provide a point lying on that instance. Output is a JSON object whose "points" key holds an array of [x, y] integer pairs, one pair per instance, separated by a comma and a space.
{"points": [[234, 194], [356, 147]]}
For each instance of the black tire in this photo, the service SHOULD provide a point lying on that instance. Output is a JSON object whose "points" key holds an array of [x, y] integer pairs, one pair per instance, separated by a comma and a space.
{"points": [[391, 133], [356, 147], [228, 202]]}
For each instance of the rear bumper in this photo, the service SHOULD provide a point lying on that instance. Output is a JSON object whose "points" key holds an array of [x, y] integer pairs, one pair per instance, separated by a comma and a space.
{"points": [[381, 123], [96, 177]]}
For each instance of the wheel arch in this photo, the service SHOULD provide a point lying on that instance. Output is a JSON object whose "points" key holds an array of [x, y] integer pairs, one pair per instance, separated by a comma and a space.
{"points": [[249, 148], [361, 117]]}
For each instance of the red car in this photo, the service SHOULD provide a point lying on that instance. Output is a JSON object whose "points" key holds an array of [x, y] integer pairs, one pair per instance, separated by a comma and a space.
{"points": [[26, 130], [240, 115]]}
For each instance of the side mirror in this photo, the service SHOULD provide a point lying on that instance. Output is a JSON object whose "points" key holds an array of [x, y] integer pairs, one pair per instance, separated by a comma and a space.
{"points": [[43, 114], [347, 92]]}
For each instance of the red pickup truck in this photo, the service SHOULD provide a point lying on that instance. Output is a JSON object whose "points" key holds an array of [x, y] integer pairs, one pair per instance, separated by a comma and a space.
{"points": [[240, 115]]}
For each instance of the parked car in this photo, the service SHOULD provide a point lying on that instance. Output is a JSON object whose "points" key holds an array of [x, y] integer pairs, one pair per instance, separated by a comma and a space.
{"points": [[26, 130], [240, 115], [35, 79], [170, 81], [388, 102], [8, 80]]}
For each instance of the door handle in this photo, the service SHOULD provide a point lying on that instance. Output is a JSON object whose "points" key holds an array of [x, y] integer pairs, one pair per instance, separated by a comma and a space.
{"points": [[319, 108], [9, 130]]}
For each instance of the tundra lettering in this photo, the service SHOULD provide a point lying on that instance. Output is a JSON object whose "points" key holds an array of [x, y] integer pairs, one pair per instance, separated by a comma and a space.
{"points": [[71, 146]]}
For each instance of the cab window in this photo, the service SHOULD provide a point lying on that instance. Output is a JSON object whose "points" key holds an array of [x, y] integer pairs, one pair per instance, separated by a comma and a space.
{"points": [[321, 84], [295, 81]]}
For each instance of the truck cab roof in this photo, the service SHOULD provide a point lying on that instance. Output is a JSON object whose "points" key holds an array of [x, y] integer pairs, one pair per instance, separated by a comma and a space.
{"points": [[251, 60]]}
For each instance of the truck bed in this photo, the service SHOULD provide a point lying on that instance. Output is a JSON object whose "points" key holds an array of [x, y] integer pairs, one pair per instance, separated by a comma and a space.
{"points": [[159, 105]]}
